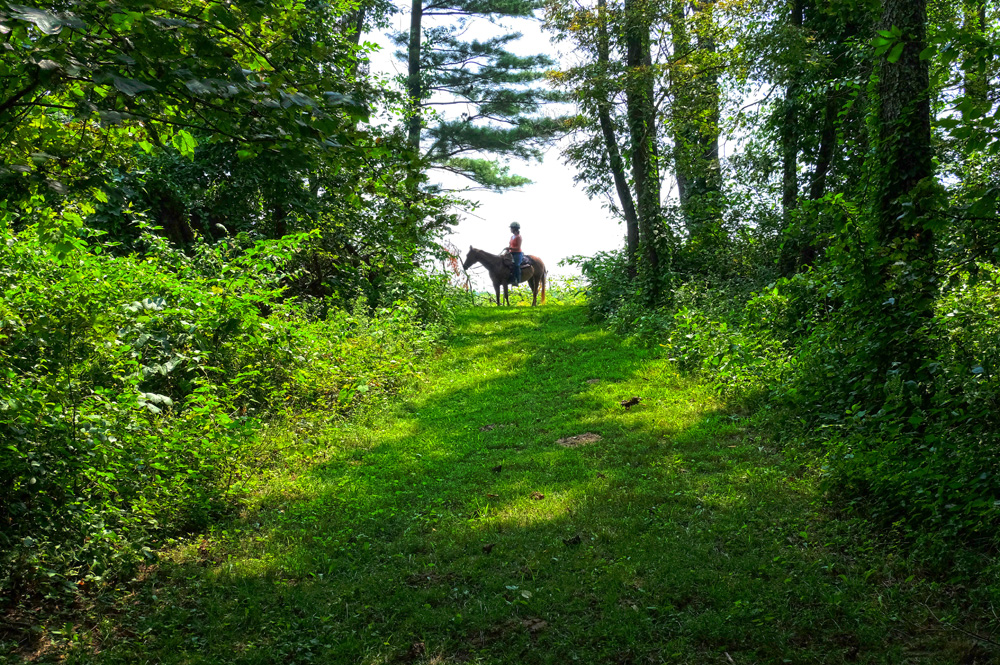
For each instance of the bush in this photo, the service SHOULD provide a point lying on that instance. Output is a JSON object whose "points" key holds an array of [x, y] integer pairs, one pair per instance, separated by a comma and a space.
{"points": [[804, 347], [133, 389]]}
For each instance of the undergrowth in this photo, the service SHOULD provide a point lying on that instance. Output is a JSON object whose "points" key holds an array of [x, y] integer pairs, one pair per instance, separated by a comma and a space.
{"points": [[803, 350], [134, 389]]}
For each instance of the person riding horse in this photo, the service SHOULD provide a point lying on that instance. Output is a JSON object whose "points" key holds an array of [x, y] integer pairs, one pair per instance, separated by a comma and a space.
{"points": [[516, 254]]}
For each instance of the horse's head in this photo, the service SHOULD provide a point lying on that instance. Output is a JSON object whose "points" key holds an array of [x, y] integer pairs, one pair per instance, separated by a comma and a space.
{"points": [[470, 258]]}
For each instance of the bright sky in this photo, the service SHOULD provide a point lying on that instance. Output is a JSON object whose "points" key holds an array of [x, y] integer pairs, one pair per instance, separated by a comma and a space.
{"points": [[557, 219]]}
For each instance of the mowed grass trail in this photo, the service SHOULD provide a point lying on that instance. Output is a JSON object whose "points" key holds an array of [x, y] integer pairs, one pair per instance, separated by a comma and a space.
{"points": [[457, 529]]}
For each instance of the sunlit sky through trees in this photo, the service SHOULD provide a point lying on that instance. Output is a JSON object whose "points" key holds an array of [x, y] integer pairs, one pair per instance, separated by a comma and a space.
{"points": [[557, 219]]}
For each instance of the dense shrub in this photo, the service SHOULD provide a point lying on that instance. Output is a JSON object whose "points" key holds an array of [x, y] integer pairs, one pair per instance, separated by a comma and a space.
{"points": [[801, 347], [133, 388]]}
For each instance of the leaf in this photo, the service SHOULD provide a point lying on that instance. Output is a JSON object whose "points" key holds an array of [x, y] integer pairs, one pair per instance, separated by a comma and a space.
{"points": [[131, 87], [47, 22], [897, 51], [185, 143]]}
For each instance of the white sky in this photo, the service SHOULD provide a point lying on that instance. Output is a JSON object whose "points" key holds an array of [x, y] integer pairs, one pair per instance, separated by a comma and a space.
{"points": [[557, 219]]}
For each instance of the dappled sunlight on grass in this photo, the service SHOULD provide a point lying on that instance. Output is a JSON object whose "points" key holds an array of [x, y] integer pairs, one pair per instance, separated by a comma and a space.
{"points": [[458, 523]]}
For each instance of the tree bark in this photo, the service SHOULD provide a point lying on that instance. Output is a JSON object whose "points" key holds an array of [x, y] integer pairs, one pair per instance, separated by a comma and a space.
{"points": [[695, 129], [904, 303], [642, 134], [789, 134], [789, 131], [611, 140], [707, 183], [413, 87], [827, 144]]}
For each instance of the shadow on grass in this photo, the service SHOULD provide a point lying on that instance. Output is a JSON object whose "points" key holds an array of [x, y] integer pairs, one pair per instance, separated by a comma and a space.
{"points": [[459, 530]]}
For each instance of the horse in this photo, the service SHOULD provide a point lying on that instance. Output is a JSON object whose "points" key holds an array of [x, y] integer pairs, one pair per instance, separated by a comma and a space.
{"points": [[501, 273]]}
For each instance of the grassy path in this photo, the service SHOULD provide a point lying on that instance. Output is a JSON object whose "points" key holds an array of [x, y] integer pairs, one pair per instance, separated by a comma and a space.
{"points": [[457, 529]]}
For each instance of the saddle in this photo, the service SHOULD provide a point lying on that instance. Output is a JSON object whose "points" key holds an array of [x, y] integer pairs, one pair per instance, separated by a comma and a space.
{"points": [[508, 260]]}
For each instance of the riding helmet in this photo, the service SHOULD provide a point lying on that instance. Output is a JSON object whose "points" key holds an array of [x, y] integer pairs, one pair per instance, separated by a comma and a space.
{"points": [[515, 226]]}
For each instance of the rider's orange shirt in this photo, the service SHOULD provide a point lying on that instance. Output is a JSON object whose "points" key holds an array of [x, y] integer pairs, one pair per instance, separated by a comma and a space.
{"points": [[515, 243]]}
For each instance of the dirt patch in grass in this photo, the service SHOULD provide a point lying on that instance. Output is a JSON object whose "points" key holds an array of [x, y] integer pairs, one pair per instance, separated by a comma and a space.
{"points": [[579, 440], [493, 426]]}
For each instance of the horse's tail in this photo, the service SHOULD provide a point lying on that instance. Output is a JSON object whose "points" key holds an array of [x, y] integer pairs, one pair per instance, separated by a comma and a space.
{"points": [[544, 272]]}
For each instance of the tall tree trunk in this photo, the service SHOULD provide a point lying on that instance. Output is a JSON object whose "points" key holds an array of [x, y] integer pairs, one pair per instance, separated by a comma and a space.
{"points": [[680, 124], [790, 155], [905, 240], [642, 133], [611, 140], [695, 124], [353, 23], [708, 177], [413, 87], [824, 158], [827, 144]]}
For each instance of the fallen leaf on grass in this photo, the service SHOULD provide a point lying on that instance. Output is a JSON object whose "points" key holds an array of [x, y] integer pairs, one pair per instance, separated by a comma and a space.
{"points": [[492, 426], [537, 496], [629, 403], [593, 380], [492, 496], [417, 650], [497, 469], [578, 440], [534, 624], [428, 579], [488, 547]]}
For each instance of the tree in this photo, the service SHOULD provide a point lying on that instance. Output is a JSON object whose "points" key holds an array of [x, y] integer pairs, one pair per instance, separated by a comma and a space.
{"points": [[641, 111], [903, 206], [694, 120], [498, 89]]}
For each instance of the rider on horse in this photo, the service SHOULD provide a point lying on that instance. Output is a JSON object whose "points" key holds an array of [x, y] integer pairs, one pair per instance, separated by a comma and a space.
{"points": [[515, 251]]}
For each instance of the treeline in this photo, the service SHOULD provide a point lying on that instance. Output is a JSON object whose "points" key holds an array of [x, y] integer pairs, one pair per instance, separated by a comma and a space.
{"points": [[810, 193]]}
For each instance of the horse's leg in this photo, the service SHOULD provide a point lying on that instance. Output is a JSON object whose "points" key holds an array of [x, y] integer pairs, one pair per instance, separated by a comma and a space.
{"points": [[496, 286], [534, 291], [506, 299]]}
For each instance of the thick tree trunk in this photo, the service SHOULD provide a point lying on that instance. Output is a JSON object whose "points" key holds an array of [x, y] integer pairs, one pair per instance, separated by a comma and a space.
{"points": [[707, 183], [611, 141], [696, 126], [413, 87], [904, 123], [905, 240], [642, 132], [680, 129]]}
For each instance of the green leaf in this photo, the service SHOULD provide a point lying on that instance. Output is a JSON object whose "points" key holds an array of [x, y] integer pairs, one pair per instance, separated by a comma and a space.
{"points": [[897, 51], [185, 143], [47, 22], [131, 87]]}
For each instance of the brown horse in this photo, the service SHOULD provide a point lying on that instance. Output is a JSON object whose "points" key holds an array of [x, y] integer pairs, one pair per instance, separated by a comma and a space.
{"points": [[501, 273]]}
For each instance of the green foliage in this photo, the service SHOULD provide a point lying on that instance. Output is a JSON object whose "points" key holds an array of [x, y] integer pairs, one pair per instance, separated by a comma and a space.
{"points": [[134, 389], [468, 533], [498, 89]]}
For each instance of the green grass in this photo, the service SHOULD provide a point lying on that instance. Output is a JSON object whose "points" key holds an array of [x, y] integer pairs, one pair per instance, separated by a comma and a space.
{"points": [[455, 529]]}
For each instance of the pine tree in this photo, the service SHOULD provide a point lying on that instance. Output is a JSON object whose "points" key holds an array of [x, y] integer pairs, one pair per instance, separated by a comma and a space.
{"points": [[499, 90]]}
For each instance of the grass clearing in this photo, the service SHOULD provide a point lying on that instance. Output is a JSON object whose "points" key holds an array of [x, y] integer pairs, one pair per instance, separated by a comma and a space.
{"points": [[455, 529]]}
